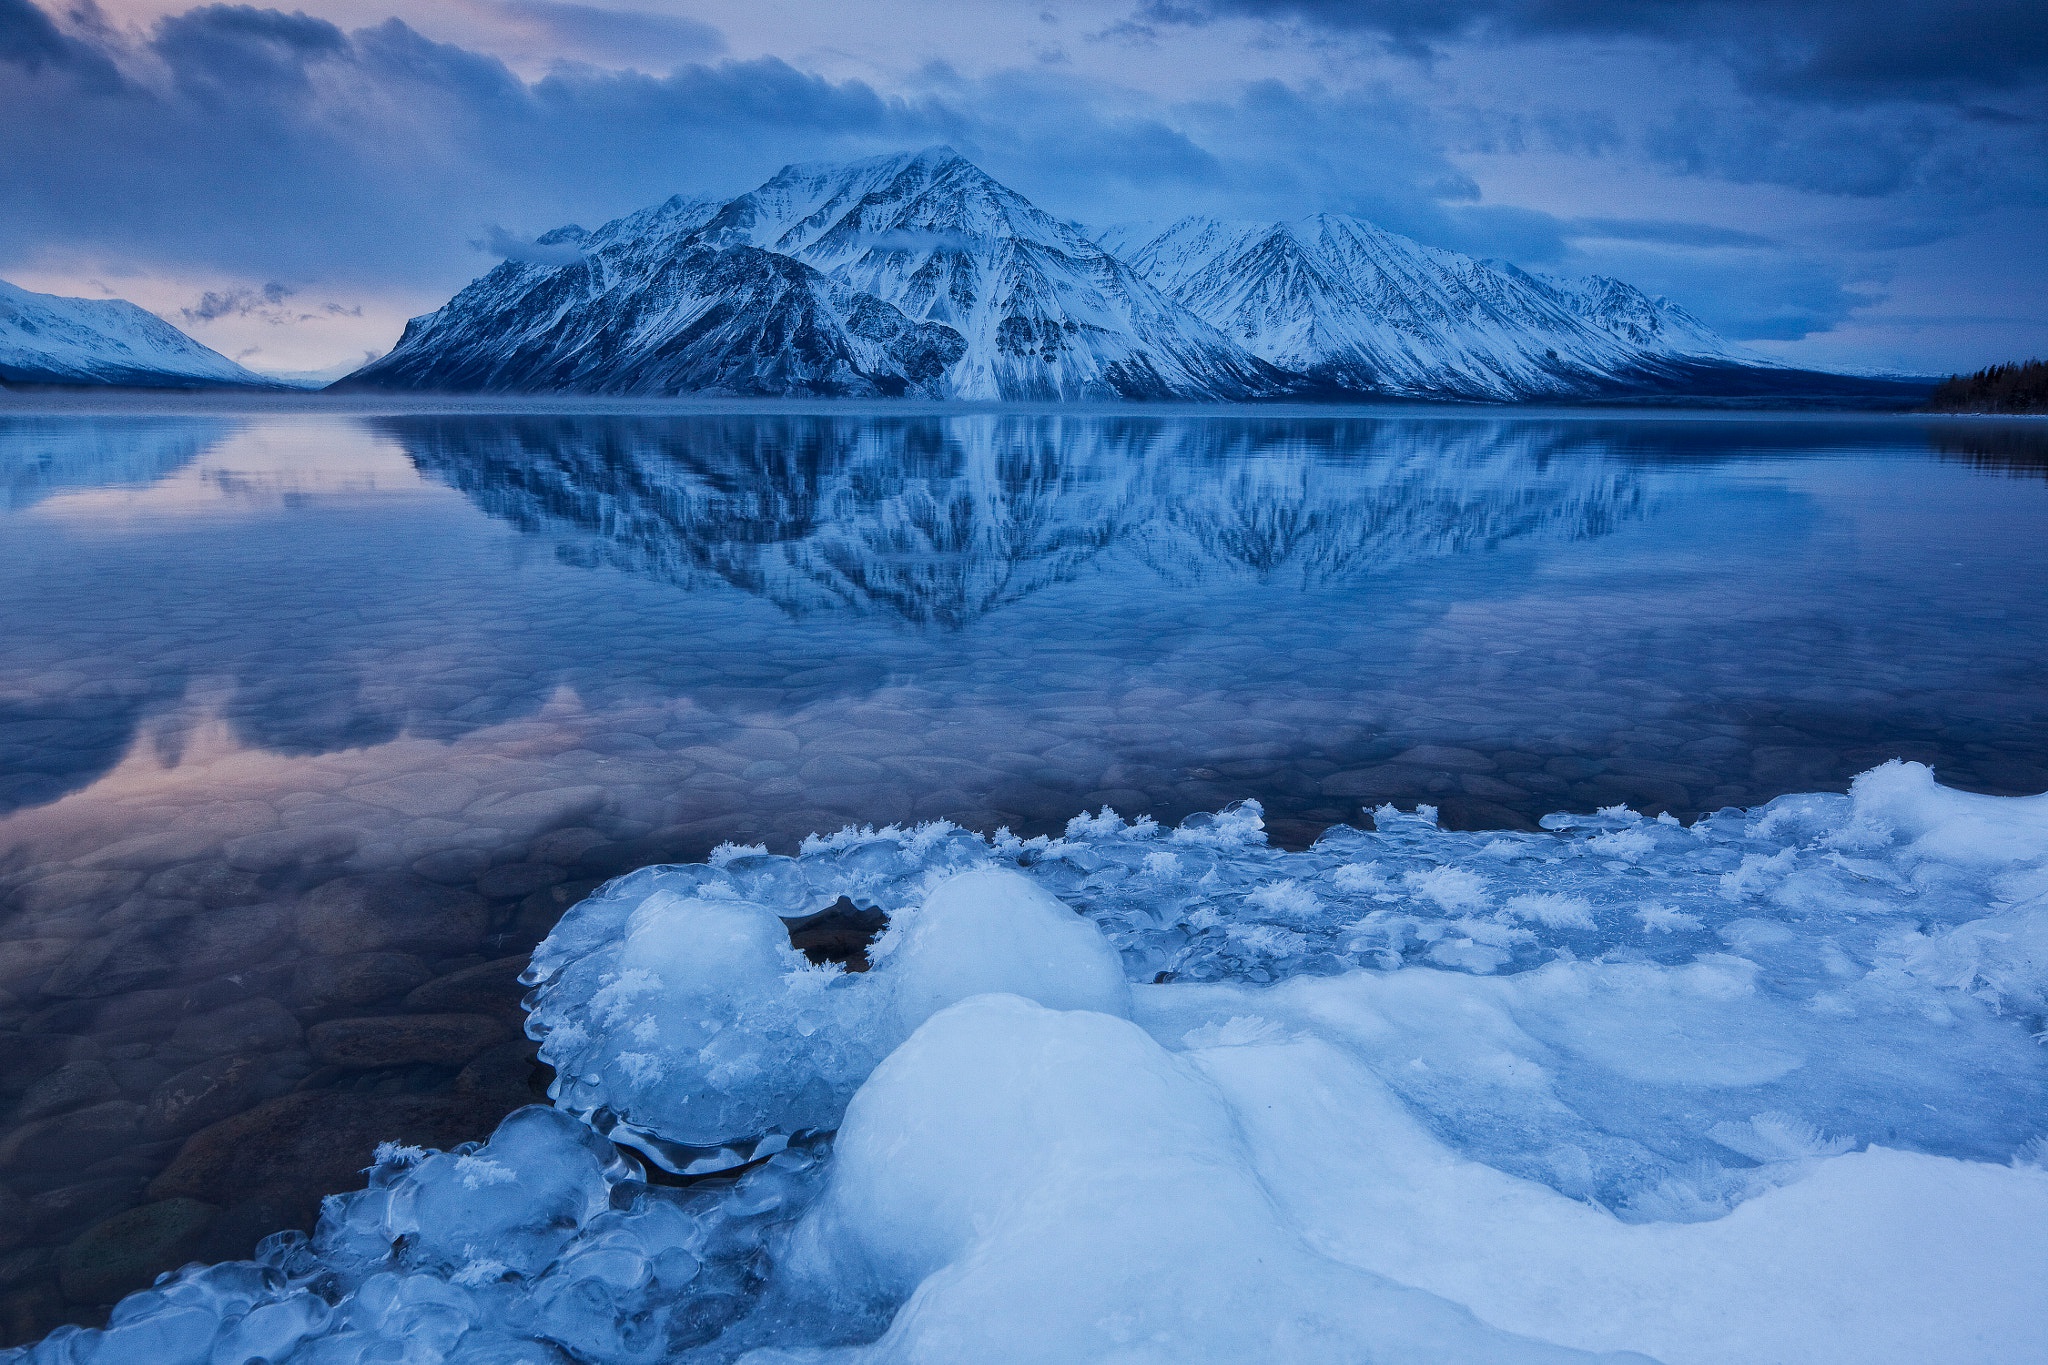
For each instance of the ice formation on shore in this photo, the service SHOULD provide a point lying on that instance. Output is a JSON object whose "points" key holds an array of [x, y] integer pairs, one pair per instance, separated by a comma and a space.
{"points": [[1766, 1087]]}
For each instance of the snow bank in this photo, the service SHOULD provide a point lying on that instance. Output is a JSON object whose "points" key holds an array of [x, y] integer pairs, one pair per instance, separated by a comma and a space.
{"points": [[1763, 1088]]}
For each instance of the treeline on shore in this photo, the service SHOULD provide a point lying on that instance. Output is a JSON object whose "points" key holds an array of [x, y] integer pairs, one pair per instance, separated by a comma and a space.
{"points": [[2021, 387]]}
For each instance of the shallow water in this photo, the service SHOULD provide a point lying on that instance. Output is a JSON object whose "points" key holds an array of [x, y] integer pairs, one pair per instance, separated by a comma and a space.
{"points": [[312, 723]]}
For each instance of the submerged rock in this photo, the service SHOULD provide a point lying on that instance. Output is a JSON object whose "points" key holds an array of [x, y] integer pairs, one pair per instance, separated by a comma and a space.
{"points": [[126, 1251], [486, 987], [297, 1148], [390, 912], [403, 1039]]}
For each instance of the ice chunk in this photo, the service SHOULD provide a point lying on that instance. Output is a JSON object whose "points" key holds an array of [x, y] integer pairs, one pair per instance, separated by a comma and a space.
{"points": [[1552, 909], [513, 1203], [992, 931], [439, 1260], [703, 1032]]}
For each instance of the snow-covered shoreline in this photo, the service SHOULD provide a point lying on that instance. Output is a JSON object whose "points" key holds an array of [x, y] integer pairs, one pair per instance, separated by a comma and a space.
{"points": [[1764, 1087]]}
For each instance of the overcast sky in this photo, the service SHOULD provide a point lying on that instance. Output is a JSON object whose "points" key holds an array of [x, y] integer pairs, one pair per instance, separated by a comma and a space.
{"points": [[1836, 182]]}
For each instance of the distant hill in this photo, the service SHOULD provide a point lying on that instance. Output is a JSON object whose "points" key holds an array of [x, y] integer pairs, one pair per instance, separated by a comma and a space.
{"points": [[2016, 388], [50, 339]]}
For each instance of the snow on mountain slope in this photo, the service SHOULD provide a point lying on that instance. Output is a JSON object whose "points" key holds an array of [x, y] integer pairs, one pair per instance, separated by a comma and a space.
{"points": [[1624, 311], [1046, 312], [1359, 308], [920, 274], [49, 339], [643, 306]]}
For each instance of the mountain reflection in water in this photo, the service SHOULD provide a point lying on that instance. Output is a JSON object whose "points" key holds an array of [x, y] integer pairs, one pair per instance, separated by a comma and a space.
{"points": [[943, 521]]}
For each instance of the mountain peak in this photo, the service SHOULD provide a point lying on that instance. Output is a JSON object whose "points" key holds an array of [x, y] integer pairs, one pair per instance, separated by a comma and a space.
{"points": [[1355, 306]]}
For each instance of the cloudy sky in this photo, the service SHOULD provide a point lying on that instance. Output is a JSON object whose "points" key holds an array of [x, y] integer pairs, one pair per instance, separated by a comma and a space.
{"points": [[1836, 182]]}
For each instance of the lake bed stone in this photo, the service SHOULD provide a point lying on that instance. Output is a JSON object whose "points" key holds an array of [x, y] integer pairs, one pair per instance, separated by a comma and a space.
{"points": [[71, 1086], [424, 793], [67, 1141], [258, 1025], [24, 959], [297, 1148], [111, 965], [66, 1208], [227, 819], [344, 979], [481, 989], [453, 866], [510, 881], [390, 911], [404, 1039], [211, 1091], [127, 1251], [146, 852], [281, 849]]}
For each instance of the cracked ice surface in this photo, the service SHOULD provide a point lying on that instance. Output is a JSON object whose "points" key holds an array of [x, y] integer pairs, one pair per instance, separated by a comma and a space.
{"points": [[1766, 1087]]}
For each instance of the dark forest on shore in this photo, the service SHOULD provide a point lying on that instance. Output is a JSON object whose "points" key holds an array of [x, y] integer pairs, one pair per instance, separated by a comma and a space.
{"points": [[2020, 387]]}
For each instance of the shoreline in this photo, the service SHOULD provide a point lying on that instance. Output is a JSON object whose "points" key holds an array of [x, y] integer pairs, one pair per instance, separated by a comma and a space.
{"points": [[207, 402]]}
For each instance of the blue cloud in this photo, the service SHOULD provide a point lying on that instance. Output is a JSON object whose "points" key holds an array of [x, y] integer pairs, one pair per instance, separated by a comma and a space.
{"points": [[632, 38], [1833, 49]]}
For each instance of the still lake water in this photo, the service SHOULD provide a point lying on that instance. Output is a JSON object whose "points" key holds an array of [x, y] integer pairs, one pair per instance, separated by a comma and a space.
{"points": [[312, 721]]}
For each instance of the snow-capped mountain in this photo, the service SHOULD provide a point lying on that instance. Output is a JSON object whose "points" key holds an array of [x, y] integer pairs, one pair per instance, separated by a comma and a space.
{"points": [[1361, 309], [919, 274], [907, 274], [647, 305], [49, 339], [1046, 312]]}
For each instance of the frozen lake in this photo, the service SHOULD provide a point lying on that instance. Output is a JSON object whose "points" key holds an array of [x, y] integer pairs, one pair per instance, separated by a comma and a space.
{"points": [[313, 722]]}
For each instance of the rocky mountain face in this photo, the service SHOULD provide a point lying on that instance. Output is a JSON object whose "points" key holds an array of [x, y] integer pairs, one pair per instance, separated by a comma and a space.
{"points": [[920, 275], [1045, 312], [647, 305], [49, 339], [1360, 309]]}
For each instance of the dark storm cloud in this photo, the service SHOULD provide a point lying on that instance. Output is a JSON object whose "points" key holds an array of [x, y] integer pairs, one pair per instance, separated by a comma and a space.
{"points": [[274, 144], [32, 43], [237, 303], [1865, 151], [1845, 49], [277, 146]]}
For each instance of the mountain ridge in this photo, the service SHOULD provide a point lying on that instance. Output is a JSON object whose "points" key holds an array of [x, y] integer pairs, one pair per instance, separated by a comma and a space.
{"points": [[918, 274], [1352, 305]]}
